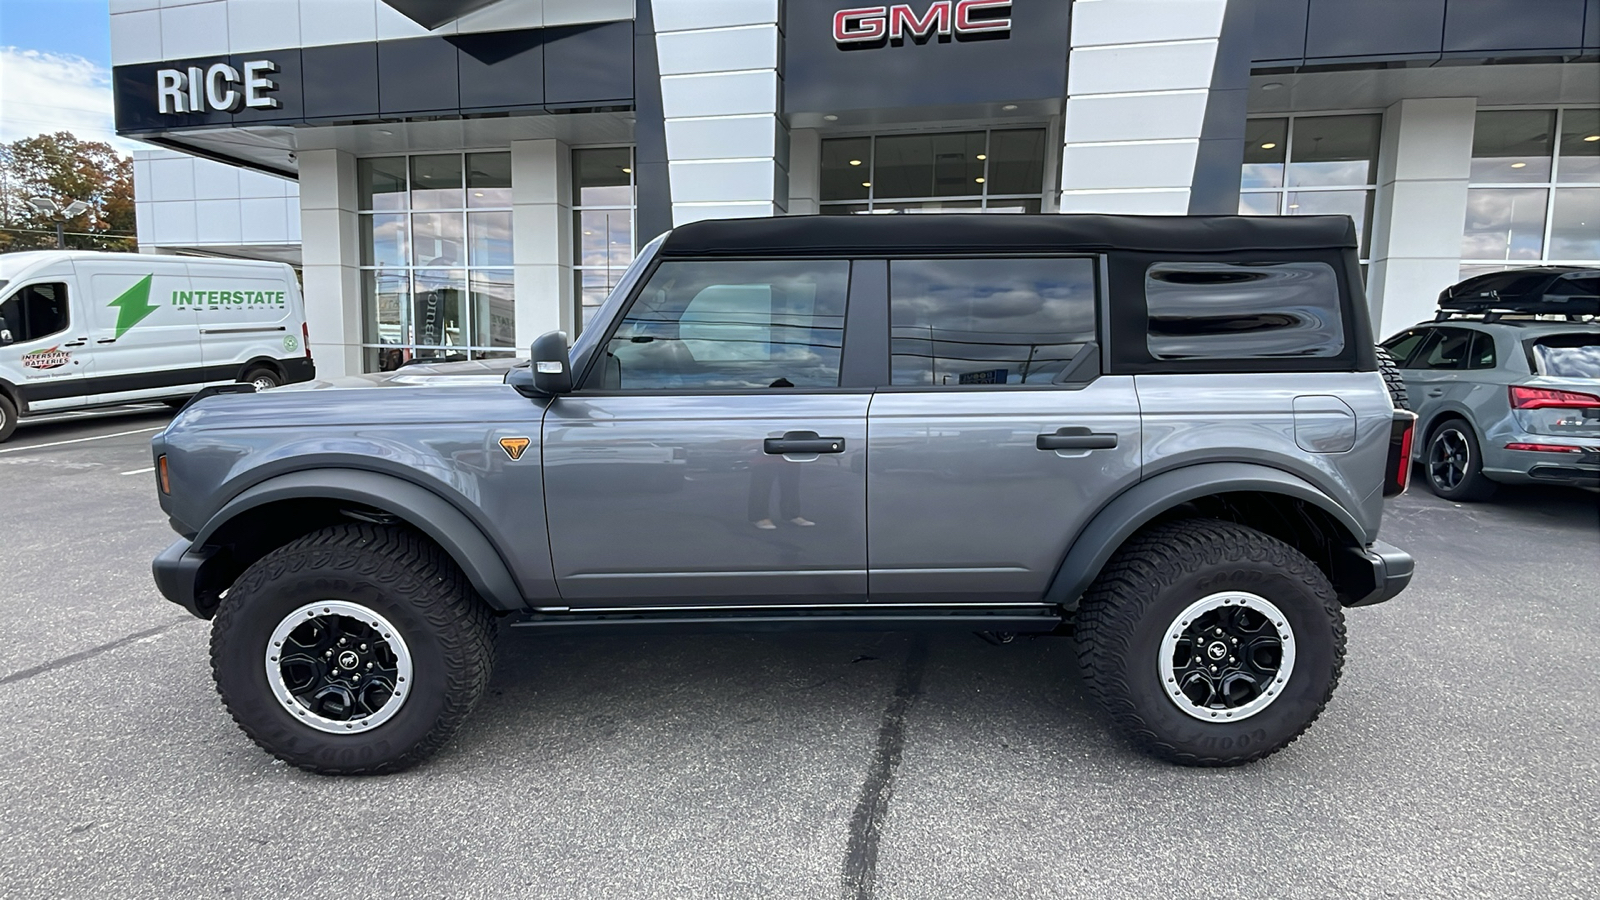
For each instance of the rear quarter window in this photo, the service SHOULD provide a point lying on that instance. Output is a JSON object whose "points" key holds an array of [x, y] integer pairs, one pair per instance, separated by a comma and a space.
{"points": [[1567, 356], [1215, 310]]}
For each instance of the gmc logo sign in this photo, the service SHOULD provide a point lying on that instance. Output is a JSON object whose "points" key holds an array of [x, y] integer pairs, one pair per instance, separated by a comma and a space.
{"points": [[944, 18]]}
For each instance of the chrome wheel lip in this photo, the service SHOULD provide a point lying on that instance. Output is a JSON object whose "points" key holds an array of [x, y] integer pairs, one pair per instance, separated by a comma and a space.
{"points": [[1175, 631], [389, 634]]}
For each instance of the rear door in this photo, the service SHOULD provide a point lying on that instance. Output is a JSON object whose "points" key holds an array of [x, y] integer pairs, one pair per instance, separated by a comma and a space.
{"points": [[994, 436], [245, 312], [1435, 372], [711, 456]]}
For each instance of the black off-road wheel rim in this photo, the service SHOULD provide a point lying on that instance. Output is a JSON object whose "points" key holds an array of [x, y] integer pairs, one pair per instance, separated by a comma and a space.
{"points": [[338, 667], [1227, 657], [1449, 459]]}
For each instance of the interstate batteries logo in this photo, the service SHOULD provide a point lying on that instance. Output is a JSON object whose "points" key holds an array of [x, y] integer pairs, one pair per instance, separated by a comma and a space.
{"points": [[134, 305], [48, 358]]}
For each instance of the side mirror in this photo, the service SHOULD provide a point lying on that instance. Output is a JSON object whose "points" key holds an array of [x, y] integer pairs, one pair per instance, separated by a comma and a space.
{"points": [[5, 336], [549, 369]]}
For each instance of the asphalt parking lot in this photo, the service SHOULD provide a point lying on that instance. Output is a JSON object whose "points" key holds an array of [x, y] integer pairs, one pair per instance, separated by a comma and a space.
{"points": [[1459, 757]]}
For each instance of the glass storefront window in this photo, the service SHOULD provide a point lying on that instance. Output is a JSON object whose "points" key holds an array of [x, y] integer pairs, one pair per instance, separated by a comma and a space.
{"points": [[1512, 146], [1311, 166], [436, 252], [1334, 150], [1532, 197], [436, 182], [603, 223], [983, 171]]}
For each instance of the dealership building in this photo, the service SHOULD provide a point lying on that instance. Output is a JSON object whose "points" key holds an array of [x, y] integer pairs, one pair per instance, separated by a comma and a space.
{"points": [[456, 177]]}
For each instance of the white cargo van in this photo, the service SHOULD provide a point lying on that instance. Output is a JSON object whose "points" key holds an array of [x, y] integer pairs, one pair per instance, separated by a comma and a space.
{"points": [[81, 329]]}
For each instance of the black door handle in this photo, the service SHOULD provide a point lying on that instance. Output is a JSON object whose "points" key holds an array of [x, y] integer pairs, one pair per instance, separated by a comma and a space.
{"points": [[803, 442], [106, 341], [77, 343], [1075, 439]]}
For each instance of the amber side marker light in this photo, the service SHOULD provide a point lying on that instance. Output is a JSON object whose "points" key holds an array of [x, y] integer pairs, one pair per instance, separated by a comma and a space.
{"points": [[161, 475]]}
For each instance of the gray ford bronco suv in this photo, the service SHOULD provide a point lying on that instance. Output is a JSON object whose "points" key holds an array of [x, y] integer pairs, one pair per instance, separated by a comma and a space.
{"points": [[1165, 438]]}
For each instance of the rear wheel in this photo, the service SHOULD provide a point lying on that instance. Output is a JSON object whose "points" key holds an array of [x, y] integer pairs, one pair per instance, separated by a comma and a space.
{"points": [[356, 649], [8, 417], [1454, 464], [263, 378], [1209, 643]]}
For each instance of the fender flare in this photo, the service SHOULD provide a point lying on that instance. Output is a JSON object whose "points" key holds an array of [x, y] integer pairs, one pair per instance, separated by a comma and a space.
{"points": [[1137, 506], [416, 505]]}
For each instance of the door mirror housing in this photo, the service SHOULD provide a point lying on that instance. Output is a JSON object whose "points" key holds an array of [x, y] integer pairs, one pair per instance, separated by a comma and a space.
{"points": [[549, 371], [5, 336]]}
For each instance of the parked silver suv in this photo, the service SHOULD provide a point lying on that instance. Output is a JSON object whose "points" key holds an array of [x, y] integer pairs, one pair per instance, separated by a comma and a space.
{"points": [[1164, 437], [1506, 382]]}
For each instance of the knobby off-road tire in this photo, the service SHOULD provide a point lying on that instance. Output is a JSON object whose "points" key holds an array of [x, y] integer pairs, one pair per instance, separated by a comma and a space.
{"points": [[1143, 595], [442, 630], [1395, 381]]}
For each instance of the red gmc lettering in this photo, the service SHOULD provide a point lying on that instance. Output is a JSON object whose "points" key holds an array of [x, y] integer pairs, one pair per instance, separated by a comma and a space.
{"points": [[862, 24], [867, 24], [903, 21], [965, 23]]}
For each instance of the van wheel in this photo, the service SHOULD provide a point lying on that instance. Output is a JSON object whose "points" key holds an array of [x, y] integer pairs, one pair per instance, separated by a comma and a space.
{"points": [[355, 650], [1453, 463], [263, 378], [1209, 643], [8, 418]]}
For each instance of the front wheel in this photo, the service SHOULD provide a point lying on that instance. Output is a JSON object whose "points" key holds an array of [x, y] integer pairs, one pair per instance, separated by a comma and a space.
{"points": [[357, 649], [1209, 643]]}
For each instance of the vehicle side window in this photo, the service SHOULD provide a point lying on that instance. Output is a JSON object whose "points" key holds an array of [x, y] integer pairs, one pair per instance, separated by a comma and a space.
{"points": [[1481, 354], [35, 311], [1401, 347], [731, 324], [988, 321], [1445, 349], [1207, 310]]}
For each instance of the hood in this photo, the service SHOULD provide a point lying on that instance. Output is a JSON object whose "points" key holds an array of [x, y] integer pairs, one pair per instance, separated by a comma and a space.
{"points": [[476, 372]]}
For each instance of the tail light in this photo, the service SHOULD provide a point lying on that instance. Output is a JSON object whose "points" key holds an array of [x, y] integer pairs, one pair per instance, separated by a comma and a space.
{"points": [[1401, 430], [161, 474], [1545, 448], [1546, 398], [305, 338]]}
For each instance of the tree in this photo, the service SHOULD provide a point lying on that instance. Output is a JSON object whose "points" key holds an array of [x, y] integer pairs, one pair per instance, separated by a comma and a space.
{"points": [[63, 168]]}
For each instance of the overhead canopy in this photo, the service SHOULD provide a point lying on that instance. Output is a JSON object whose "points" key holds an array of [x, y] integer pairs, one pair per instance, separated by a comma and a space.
{"points": [[901, 235]]}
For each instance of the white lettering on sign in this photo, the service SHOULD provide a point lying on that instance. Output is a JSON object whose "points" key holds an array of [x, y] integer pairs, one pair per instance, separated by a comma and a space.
{"points": [[870, 24], [219, 88]]}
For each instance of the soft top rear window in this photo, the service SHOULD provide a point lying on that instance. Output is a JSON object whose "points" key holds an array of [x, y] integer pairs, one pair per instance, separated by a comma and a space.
{"points": [[1567, 355], [1216, 310]]}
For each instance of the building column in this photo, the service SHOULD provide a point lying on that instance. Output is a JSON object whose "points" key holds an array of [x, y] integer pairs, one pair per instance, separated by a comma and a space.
{"points": [[541, 237], [1424, 163], [805, 167], [727, 150], [330, 253], [1138, 83]]}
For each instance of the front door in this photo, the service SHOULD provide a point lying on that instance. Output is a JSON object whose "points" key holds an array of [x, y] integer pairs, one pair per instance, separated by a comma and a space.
{"points": [[998, 438], [709, 456], [42, 343]]}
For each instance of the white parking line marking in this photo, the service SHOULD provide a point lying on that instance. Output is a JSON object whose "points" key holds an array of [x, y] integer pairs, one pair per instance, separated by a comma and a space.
{"points": [[98, 437], [145, 470]]}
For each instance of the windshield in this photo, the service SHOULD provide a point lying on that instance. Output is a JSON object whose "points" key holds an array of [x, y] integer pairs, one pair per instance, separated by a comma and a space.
{"points": [[1568, 356]]}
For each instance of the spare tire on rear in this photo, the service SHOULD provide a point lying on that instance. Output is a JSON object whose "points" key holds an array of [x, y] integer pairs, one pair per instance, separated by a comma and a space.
{"points": [[1393, 378]]}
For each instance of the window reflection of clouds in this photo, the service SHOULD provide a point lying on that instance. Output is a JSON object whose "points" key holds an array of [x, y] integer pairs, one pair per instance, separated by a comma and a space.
{"points": [[1005, 321], [1203, 310], [1504, 223]]}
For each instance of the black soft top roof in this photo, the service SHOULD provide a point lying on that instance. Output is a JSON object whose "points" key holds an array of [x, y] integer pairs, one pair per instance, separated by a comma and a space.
{"points": [[907, 234]]}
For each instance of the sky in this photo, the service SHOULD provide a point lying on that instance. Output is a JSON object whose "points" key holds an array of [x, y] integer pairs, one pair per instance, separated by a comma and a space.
{"points": [[55, 70]]}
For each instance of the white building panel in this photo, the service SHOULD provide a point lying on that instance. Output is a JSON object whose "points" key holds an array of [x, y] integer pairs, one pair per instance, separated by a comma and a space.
{"points": [[197, 29], [1102, 22], [682, 15], [263, 25], [718, 50]]}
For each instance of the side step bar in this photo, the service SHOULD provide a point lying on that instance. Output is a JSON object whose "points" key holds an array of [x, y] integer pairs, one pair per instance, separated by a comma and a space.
{"points": [[1009, 619]]}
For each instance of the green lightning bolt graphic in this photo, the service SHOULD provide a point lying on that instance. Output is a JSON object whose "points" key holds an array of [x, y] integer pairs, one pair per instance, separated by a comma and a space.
{"points": [[133, 306]]}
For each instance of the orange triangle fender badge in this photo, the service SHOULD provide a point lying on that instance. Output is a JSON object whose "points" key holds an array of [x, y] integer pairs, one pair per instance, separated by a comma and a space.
{"points": [[513, 446]]}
